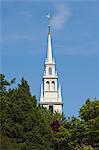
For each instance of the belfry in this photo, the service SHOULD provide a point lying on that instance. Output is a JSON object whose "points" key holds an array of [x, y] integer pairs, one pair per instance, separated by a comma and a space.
{"points": [[50, 97]]}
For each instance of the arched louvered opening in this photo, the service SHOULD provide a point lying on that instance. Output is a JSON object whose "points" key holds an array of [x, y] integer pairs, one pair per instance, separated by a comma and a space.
{"points": [[50, 70], [53, 86], [51, 108], [47, 86]]}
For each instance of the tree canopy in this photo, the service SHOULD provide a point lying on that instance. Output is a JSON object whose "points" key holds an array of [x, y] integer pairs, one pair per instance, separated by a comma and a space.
{"points": [[27, 126]]}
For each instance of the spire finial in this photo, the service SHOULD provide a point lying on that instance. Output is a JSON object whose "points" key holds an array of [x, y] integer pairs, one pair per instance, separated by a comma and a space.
{"points": [[49, 22]]}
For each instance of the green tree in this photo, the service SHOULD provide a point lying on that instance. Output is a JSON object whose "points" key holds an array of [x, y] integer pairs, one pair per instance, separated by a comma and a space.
{"points": [[3, 83], [84, 147], [89, 110], [23, 121], [89, 113], [80, 133], [65, 138], [27, 126]]}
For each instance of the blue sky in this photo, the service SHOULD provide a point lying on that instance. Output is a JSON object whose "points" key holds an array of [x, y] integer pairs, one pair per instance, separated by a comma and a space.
{"points": [[75, 38]]}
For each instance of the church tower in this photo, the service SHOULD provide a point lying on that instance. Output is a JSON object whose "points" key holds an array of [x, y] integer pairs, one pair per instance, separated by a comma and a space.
{"points": [[50, 88]]}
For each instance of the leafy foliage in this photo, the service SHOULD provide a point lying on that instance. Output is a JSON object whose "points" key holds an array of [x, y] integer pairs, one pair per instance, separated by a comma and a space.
{"points": [[80, 133], [89, 110], [27, 126], [23, 121], [84, 147]]}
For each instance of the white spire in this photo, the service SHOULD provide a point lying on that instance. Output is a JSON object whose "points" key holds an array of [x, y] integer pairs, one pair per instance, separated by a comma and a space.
{"points": [[50, 97], [49, 51]]}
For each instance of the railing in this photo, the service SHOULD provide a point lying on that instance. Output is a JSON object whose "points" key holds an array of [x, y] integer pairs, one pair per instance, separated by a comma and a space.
{"points": [[46, 61]]}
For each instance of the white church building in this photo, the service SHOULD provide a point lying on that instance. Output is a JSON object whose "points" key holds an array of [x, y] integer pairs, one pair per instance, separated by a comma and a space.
{"points": [[50, 97]]}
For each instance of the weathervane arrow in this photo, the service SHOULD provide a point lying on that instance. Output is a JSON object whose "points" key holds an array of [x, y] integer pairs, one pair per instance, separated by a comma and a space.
{"points": [[48, 15], [49, 21]]}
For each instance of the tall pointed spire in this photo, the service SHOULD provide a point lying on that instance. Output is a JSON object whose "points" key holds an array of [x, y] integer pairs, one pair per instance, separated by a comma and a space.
{"points": [[50, 97], [49, 51]]}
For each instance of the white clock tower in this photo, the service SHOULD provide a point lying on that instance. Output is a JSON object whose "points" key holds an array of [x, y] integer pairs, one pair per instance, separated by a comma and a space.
{"points": [[50, 88]]}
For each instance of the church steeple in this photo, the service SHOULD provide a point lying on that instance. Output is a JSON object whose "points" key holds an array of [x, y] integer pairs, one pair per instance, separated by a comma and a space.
{"points": [[50, 91], [49, 48]]}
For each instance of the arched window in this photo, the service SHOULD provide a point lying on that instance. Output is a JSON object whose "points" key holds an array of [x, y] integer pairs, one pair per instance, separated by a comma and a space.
{"points": [[51, 108], [50, 70], [47, 86], [53, 85]]}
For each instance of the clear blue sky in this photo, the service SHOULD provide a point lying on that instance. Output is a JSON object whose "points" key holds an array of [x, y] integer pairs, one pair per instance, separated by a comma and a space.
{"points": [[75, 37]]}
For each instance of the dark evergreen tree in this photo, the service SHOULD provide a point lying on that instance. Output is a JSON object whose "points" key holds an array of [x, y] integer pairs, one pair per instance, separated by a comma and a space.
{"points": [[23, 121]]}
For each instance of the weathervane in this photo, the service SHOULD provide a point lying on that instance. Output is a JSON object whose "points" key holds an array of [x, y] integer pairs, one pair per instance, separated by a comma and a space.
{"points": [[49, 21]]}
